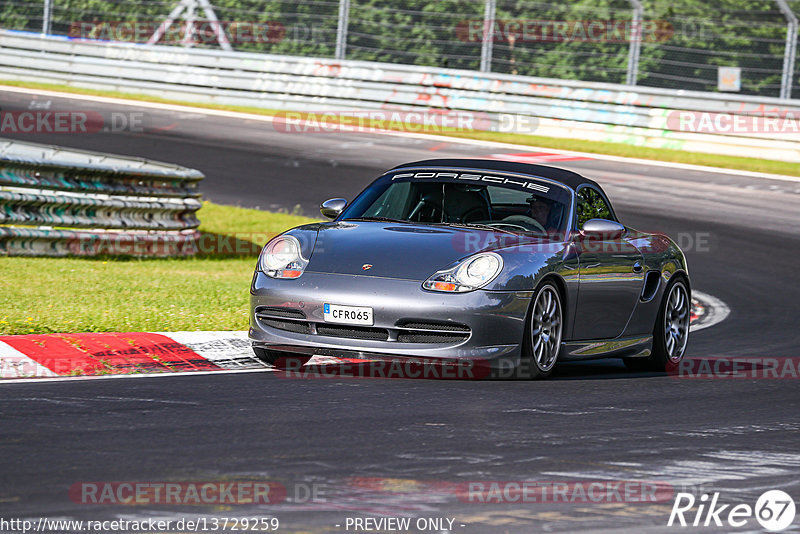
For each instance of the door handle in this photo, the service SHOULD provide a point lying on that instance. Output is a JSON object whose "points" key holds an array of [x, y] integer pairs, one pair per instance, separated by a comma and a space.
{"points": [[637, 267]]}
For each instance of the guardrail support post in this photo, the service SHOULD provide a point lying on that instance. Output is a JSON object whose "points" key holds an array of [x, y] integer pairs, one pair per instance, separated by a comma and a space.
{"points": [[790, 51], [635, 48], [488, 35], [341, 29], [46, 16]]}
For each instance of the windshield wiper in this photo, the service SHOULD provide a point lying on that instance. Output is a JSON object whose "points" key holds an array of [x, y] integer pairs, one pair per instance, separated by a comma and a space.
{"points": [[450, 224], [476, 225], [379, 219]]}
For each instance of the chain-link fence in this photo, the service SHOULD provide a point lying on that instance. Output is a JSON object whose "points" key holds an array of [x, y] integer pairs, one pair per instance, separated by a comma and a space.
{"points": [[750, 35], [419, 32], [679, 44]]}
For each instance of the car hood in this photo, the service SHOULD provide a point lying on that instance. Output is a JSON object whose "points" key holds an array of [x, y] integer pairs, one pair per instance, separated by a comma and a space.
{"points": [[393, 250]]}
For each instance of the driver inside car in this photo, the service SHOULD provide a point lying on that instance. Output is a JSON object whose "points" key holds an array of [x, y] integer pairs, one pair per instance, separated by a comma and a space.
{"points": [[540, 211]]}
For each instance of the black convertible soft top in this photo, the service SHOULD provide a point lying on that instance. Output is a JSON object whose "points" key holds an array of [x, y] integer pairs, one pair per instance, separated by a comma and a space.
{"points": [[568, 178]]}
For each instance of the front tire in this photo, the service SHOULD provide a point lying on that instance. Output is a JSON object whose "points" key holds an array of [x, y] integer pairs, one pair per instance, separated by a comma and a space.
{"points": [[542, 343], [671, 331]]}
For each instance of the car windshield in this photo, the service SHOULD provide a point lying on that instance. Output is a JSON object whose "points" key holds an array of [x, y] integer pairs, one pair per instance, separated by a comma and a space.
{"points": [[515, 207]]}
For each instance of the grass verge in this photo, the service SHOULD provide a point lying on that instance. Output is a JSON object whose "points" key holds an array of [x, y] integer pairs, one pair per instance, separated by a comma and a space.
{"points": [[593, 147], [43, 295]]}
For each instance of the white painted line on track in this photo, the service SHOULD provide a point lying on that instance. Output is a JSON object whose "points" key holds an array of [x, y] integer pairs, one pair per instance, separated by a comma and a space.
{"points": [[50, 380], [413, 135]]}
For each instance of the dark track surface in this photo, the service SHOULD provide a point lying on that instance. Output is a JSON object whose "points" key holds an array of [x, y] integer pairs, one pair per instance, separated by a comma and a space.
{"points": [[593, 421]]}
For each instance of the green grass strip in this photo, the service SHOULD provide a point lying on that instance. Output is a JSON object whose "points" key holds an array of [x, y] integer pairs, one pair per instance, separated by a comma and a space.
{"points": [[41, 295]]}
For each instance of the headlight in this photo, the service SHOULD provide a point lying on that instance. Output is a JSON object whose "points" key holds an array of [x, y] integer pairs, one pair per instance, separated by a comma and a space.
{"points": [[281, 258], [470, 274]]}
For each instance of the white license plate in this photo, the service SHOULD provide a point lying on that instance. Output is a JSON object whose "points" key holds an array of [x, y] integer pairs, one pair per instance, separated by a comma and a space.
{"points": [[347, 314]]}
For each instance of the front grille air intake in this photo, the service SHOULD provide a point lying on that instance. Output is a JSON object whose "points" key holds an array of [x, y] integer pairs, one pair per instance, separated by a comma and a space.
{"points": [[406, 331], [432, 332], [287, 313], [352, 332], [287, 319]]}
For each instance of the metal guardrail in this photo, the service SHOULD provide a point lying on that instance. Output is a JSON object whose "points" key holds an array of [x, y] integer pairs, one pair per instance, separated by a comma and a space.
{"points": [[58, 202], [570, 109], [656, 44]]}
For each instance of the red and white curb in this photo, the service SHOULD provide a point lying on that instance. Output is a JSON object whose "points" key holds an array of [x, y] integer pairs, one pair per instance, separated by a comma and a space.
{"points": [[707, 310], [125, 354], [136, 354]]}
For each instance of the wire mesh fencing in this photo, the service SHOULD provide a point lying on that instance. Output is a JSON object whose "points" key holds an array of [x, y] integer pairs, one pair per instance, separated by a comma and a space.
{"points": [[703, 37], [676, 44]]}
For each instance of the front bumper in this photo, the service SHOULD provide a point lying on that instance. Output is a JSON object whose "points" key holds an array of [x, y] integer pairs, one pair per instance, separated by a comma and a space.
{"points": [[496, 319]]}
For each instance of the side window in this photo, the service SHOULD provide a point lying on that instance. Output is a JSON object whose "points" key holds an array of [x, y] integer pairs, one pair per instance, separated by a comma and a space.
{"points": [[591, 206]]}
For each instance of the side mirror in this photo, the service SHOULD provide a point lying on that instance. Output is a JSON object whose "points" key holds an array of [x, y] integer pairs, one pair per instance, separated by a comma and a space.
{"points": [[602, 229], [333, 207]]}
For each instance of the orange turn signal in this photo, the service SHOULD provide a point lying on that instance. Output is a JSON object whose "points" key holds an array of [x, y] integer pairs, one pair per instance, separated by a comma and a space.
{"points": [[444, 286]]}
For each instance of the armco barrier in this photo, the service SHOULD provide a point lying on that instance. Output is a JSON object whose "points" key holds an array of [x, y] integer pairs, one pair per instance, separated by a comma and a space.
{"points": [[569, 109], [58, 202]]}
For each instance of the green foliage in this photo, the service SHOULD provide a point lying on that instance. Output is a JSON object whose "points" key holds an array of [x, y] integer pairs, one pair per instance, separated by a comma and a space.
{"points": [[744, 33], [416, 32], [591, 206], [687, 39]]}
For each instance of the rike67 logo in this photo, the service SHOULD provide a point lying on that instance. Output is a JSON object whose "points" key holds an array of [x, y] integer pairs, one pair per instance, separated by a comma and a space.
{"points": [[774, 510]]}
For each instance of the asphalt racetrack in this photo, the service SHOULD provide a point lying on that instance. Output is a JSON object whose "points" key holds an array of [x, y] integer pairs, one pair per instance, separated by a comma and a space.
{"points": [[396, 447]]}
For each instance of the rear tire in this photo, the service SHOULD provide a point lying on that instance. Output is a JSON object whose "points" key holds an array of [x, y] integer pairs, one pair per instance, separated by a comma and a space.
{"points": [[281, 360], [543, 332], [671, 331]]}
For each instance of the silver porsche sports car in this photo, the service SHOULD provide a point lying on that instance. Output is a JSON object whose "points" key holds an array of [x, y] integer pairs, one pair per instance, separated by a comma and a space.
{"points": [[464, 260]]}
